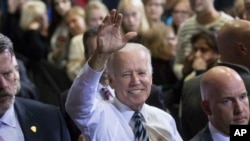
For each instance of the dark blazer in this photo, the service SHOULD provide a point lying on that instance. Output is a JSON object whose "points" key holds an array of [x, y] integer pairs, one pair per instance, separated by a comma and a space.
{"points": [[203, 135], [28, 88], [47, 120], [193, 119]]}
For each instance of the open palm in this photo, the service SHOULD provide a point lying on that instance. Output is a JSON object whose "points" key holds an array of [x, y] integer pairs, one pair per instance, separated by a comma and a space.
{"points": [[109, 38]]}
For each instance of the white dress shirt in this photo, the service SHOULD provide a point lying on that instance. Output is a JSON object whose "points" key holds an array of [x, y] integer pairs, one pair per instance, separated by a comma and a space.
{"points": [[216, 134], [111, 120]]}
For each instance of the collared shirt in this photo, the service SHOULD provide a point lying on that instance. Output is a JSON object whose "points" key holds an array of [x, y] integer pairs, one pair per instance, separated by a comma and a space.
{"points": [[111, 120], [216, 134], [10, 129]]}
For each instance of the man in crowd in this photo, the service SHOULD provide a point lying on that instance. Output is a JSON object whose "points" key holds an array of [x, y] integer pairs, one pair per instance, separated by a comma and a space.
{"points": [[127, 117], [225, 102], [23, 119]]}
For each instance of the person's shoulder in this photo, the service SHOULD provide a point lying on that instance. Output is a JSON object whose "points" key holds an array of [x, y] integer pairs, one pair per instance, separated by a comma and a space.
{"points": [[189, 21], [194, 80], [34, 104], [225, 16], [77, 38], [152, 110], [203, 134]]}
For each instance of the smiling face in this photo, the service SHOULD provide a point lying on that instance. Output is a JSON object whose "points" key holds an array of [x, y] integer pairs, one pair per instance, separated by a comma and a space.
{"points": [[132, 78], [8, 81]]}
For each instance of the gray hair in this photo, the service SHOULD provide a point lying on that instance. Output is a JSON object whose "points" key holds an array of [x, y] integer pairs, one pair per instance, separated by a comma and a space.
{"points": [[130, 47]]}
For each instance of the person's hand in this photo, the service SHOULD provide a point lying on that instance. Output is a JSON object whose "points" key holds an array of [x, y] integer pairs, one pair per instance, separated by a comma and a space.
{"points": [[199, 64], [34, 25], [109, 38]]}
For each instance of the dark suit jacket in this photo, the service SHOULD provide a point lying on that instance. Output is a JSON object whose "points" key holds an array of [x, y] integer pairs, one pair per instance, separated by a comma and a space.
{"points": [[47, 119], [193, 119], [203, 135], [28, 88]]}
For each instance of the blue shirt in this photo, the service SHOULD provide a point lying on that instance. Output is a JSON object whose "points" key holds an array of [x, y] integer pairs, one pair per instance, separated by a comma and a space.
{"points": [[10, 129]]}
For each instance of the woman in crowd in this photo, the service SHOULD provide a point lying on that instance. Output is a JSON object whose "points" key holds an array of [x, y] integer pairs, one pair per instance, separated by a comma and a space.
{"points": [[203, 56], [95, 13], [154, 10], [134, 18], [75, 20]]}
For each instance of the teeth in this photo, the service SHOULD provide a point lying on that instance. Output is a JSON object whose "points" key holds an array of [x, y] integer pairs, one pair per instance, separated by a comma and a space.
{"points": [[135, 91]]}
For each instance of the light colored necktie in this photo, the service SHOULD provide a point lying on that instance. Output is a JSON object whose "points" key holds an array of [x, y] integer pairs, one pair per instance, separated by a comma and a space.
{"points": [[139, 129], [106, 93]]}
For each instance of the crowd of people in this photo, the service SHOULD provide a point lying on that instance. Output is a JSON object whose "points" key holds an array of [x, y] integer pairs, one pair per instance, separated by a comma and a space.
{"points": [[151, 70]]}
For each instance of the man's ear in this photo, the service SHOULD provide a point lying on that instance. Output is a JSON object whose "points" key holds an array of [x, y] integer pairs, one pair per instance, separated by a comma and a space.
{"points": [[111, 84], [242, 48], [206, 107]]}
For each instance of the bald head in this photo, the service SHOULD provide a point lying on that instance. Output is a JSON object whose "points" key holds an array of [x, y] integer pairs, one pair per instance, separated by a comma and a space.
{"points": [[219, 78], [233, 42], [224, 98]]}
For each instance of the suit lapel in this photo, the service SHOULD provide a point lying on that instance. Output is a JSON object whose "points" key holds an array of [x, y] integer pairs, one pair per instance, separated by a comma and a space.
{"points": [[27, 121], [206, 136]]}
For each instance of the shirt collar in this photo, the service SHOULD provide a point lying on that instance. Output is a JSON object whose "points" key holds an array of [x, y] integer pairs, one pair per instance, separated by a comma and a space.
{"points": [[9, 117], [216, 134], [126, 111]]}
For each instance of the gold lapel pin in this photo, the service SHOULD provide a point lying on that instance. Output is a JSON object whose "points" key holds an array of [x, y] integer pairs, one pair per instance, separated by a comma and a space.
{"points": [[33, 129]]}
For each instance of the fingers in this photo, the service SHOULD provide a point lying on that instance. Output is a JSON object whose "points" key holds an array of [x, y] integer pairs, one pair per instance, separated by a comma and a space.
{"points": [[105, 20], [113, 14], [128, 36], [116, 18], [118, 21]]}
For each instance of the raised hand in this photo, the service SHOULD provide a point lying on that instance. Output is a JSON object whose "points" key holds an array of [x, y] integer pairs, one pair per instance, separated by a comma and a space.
{"points": [[109, 38]]}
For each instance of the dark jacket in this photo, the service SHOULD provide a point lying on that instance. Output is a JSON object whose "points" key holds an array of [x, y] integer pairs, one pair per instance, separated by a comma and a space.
{"points": [[47, 119], [193, 119], [203, 135]]}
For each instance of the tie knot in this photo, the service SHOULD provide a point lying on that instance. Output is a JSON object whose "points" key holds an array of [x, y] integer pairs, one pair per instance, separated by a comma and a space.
{"points": [[137, 116]]}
